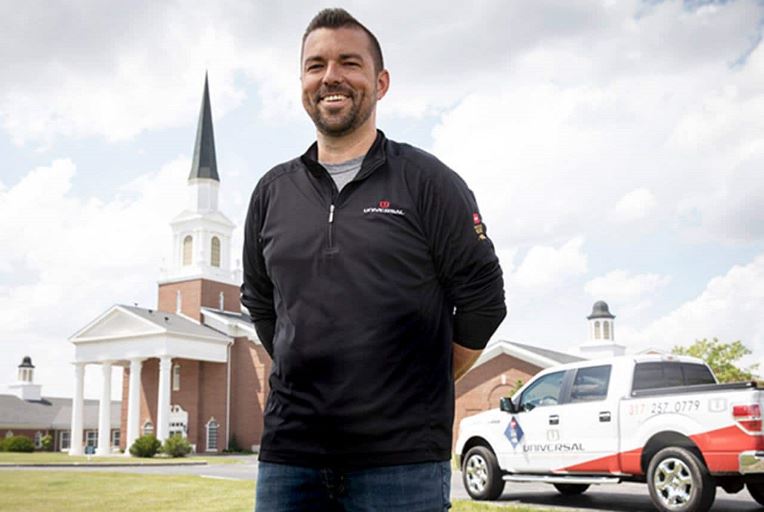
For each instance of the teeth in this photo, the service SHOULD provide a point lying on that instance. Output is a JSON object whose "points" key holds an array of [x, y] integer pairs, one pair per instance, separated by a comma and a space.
{"points": [[334, 97]]}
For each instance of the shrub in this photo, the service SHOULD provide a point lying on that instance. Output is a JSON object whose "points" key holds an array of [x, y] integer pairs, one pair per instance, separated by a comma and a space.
{"points": [[145, 446], [47, 442], [2, 444], [176, 446], [18, 444]]}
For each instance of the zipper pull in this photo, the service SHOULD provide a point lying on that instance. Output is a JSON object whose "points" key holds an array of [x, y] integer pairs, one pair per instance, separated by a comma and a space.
{"points": [[331, 213]]}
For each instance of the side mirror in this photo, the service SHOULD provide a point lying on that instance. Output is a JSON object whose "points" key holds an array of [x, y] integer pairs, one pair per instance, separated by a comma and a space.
{"points": [[506, 405]]}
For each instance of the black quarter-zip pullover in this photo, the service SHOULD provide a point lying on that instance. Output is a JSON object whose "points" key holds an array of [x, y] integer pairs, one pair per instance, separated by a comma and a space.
{"points": [[357, 296]]}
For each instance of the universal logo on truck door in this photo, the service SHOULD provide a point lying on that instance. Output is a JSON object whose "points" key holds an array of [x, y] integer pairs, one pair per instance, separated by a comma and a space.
{"points": [[384, 207]]}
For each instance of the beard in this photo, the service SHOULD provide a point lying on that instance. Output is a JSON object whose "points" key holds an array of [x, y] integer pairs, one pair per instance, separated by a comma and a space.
{"points": [[342, 122]]}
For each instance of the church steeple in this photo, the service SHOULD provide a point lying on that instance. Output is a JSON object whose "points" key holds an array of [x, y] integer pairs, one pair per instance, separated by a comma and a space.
{"points": [[205, 165], [200, 264]]}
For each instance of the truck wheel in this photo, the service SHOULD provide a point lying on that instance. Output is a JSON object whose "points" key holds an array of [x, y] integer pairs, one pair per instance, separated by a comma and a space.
{"points": [[679, 482], [757, 491], [571, 489], [481, 475]]}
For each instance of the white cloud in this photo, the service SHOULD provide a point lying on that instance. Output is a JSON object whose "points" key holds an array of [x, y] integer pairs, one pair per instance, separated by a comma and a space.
{"points": [[72, 258], [635, 205], [623, 286], [729, 308], [545, 266]]}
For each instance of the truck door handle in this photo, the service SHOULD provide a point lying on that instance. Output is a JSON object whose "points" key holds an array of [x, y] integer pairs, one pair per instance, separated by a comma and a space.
{"points": [[554, 419], [605, 416]]}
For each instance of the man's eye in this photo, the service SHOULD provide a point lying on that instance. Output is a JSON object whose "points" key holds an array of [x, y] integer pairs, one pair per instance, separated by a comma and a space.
{"points": [[314, 67]]}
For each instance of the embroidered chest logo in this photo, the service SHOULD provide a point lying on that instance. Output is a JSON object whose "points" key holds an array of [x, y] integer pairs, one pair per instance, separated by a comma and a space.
{"points": [[383, 207]]}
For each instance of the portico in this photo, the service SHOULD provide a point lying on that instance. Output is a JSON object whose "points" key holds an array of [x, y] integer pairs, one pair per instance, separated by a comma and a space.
{"points": [[129, 336]]}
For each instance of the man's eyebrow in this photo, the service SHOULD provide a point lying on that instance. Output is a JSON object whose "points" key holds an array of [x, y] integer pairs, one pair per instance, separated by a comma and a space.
{"points": [[346, 56]]}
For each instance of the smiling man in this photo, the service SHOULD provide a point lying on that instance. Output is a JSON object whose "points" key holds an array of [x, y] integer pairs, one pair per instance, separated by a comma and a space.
{"points": [[373, 286]]}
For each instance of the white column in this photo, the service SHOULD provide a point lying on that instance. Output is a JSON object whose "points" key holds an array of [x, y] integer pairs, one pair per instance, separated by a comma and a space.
{"points": [[75, 435], [163, 398], [133, 404], [104, 412]]}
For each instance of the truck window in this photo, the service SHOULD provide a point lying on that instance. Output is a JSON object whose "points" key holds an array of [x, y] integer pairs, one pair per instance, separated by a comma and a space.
{"points": [[665, 374], [590, 384], [544, 391], [697, 374]]}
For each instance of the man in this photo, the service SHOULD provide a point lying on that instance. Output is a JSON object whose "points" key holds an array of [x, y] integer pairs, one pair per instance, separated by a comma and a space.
{"points": [[372, 285]]}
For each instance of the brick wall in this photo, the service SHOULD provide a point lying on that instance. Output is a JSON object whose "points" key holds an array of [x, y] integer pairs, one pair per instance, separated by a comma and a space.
{"points": [[251, 366], [198, 293]]}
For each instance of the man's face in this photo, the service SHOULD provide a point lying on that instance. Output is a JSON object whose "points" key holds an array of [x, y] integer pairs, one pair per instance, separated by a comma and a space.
{"points": [[340, 87]]}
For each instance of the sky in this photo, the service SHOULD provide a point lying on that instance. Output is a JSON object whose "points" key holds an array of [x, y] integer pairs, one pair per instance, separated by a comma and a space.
{"points": [[615, 148]]}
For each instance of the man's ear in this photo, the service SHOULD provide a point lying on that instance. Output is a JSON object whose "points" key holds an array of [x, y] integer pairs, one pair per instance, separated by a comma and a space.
{"points": [[383, 83]]}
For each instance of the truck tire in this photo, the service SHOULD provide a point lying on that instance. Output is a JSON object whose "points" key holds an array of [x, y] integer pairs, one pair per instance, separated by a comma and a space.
{"points": [[571, 489], [756, 491], [481, 474], [679, 482]]}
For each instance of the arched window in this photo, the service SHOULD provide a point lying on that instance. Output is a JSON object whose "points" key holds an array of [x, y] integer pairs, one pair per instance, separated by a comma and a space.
{"points": [[606, 330], [176, 377], [596, 330], [212, 435], [188, 250], [148, 428], [215, 257]]}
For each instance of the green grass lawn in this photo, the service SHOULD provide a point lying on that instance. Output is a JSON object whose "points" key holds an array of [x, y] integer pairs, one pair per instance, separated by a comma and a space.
{"points": [[38, 491], [58, 458]]}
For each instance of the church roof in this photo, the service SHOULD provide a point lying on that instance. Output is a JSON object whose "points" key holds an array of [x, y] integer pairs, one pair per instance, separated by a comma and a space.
{"points": [[174, 323], [560, 357], [205, 164], [541, 357], [26, 362], [50, 413]]}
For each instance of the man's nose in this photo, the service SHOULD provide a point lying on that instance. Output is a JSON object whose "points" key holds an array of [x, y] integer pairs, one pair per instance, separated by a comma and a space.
{"points": [[332, 74]]}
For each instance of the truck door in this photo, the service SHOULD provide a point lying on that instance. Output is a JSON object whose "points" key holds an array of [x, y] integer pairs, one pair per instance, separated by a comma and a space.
{"points": [[589, 423], [529, 448]]}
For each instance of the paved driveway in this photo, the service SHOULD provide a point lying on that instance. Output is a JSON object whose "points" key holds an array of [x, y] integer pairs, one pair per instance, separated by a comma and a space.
{"points": [[605, 498]]}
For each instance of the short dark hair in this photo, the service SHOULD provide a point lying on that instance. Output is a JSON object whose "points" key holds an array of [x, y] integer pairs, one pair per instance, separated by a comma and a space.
{"points": [[340, 18]]}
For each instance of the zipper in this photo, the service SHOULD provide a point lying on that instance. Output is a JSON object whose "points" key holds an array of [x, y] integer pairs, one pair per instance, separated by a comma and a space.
{"points": [[331, 224]]}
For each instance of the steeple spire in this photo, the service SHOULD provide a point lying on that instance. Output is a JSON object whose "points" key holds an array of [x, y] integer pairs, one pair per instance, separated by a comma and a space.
{"points": [[205, 164]]}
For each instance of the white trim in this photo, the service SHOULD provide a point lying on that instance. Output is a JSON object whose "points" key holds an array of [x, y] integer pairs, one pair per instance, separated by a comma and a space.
{"points": [[234, 328], [506, 347], [228, 401]]}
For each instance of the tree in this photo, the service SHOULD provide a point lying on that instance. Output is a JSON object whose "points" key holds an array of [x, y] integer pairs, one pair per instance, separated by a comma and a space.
{"points": [[722, 358]]}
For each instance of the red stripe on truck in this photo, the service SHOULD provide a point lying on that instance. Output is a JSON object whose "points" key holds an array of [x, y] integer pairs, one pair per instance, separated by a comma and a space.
{"points": [[720, 449]]}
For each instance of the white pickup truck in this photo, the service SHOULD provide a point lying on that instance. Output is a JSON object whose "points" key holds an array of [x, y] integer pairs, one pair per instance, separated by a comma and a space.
{"points": [[662, 420]]}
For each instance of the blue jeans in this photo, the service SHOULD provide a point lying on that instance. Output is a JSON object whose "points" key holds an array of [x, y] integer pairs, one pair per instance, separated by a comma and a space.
{"points": [[421, 487]]}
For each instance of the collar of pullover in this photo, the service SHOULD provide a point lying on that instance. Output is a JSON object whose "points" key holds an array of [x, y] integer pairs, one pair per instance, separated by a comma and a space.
{"points": [[373, 159]]}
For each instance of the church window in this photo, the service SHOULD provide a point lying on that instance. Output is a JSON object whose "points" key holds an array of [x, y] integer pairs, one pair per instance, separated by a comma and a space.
{"points": [[606, 330], [148, 428], [38, 439], [596, 330], [176, 377], [188, 250], [215, 259], [64, 439], [212, 435], [115, 438], [91, 438], [9, 433]]}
